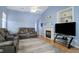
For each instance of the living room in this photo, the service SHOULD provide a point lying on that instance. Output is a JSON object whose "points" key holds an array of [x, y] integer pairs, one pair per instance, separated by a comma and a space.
{"points": [[27, 27]]}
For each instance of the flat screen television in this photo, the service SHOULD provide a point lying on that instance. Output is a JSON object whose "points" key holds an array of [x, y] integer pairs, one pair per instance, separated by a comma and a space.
{"points": [[66, 28]]}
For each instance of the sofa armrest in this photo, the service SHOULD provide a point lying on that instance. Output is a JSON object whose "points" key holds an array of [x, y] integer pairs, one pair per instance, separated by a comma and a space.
{"points": [[6, 43]]}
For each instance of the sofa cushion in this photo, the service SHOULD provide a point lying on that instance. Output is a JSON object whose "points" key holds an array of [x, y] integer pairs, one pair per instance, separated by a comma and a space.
{"points": [[1, 39], [23, 30], [2, 33], [31, 30], [1, 50]]}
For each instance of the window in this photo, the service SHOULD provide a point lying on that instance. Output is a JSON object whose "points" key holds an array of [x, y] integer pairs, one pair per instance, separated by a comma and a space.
{"points": [[4, 21]]}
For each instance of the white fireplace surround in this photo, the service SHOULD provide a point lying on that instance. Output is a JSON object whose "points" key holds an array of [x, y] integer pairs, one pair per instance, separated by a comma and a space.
{"points": [[49, 29]]}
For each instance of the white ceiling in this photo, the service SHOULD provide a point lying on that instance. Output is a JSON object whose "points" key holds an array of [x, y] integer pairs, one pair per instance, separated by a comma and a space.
{"points": [[40, 10]]}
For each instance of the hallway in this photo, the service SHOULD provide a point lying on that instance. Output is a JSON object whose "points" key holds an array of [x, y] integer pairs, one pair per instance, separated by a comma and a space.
{"points": [[36, 45]]}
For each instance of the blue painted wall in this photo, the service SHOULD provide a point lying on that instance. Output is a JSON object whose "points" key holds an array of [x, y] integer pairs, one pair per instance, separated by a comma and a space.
{"points": [[18, 19], [76, 18], [52, 11]]}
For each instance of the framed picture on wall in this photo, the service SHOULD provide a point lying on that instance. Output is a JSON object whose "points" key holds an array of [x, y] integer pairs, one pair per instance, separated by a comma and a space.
{"points": [[41, 24]]}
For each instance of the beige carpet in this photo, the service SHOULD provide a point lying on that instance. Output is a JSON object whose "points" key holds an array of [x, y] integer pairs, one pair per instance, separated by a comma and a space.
{"points": [[36, 45]]}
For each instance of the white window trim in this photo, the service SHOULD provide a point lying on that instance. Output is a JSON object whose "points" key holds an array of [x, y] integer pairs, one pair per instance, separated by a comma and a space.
{"points": [[4, 20]]}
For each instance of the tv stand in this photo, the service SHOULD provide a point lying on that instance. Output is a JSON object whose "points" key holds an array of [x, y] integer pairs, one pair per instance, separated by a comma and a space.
{"points": [[64, 37]]}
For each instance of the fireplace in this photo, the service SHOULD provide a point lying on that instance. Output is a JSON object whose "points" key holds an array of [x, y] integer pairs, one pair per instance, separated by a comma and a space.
{"points": [[48, 33]]}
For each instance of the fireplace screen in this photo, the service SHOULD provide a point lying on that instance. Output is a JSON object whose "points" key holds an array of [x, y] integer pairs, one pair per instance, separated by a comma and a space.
{"points": [[48, 33]]}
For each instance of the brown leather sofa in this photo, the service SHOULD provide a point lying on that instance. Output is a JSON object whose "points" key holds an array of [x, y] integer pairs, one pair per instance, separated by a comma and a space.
{"points": [[27, 33], [6, 34], [8, 43]]}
